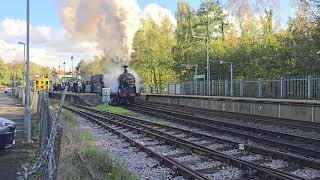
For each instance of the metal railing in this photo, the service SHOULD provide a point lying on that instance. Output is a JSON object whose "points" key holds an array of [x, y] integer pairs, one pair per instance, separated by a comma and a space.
{"points": [[287, 88], [49, 141]]}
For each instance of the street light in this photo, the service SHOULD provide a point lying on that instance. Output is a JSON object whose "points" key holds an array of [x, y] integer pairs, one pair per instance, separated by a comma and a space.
{"points": [[231, 76], [64, 69], [24, 59], [27, 113], [208, 63], [72, 66]]}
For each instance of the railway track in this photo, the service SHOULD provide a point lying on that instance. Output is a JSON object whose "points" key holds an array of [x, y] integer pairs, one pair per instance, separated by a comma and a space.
{"points": [[304, 146], [305, 125], [169, 136]]}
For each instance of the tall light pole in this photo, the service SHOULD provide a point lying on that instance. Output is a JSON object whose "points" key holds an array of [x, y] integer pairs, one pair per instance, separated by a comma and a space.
{"points": [[24, 59], [64, 68], [208, 63], [231, 75], [27, 114], [72, 66]]}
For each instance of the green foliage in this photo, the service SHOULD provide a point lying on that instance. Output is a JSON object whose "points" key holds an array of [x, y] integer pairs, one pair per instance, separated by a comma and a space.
{"points": [[152, 57], [105, 165], [83, 135], [99, 65], [114, 109], [69, 118], [4, 73]]}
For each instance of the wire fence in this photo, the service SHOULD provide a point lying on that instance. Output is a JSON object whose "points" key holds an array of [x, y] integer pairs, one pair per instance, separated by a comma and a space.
{"points": [[49, 143], [304, 87]]}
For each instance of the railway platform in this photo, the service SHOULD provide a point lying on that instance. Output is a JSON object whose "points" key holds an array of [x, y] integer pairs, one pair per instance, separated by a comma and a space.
{"points": [[303, 110], [11, 158]]}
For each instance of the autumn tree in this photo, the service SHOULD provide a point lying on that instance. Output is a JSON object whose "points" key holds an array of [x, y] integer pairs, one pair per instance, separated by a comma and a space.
{"points": [[152, 57], [4, 73]]}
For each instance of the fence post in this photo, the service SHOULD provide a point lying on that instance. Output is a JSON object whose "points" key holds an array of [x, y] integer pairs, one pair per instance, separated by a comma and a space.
{"points": [[212, 88], [219, 87], [281, 88], [260, 87], [309, 87], [168, 90], [241, 87], [175, 88], [226, 87]]}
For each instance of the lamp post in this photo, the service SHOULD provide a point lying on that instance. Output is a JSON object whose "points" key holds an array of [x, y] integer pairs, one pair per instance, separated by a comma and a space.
{"points": [[64, 68], [231, 75], [208, 63], [27, 114], [72, 66], [24, 59]]}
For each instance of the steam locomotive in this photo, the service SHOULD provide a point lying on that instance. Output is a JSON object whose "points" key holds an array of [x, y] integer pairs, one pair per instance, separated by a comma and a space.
{"points": [[126, 91]]}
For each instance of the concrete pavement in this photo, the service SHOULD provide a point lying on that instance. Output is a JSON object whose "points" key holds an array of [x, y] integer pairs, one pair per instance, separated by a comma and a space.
{"points": [[10, 159]]}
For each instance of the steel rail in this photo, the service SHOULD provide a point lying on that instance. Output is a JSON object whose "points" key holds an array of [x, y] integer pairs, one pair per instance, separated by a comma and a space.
{"points": [[307, 162], [237, 126], [169, 162], [277, 134], [244, 117], [267, 173], [307, 152]]}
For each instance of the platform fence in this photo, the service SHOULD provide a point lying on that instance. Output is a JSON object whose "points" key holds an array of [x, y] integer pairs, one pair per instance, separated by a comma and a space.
{"points": [[46, 162], [304, 87]]}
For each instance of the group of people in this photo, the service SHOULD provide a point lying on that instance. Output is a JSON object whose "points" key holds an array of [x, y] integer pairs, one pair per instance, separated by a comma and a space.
{"points": [[75, 87]]}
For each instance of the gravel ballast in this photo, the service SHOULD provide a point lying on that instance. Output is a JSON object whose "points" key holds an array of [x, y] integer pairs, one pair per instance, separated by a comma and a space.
{"points": [[138, 162]]}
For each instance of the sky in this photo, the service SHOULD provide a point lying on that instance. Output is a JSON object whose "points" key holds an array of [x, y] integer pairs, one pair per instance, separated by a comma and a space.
{"points": [[53, 41]]}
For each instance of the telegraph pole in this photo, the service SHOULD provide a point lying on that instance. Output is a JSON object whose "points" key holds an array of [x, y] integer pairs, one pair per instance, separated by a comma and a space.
{"points": [[27, 113]]}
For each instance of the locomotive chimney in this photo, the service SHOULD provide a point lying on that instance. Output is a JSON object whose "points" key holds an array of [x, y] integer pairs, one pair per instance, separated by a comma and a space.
{"points": [[125, 68]]}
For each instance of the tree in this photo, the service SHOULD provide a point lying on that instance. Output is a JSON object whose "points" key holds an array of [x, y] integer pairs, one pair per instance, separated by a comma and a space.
{"points": [[184, 52], [154, 61], [4, 73]]}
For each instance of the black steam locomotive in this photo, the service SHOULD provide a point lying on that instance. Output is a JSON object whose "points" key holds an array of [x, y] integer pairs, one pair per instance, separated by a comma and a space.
{"points": [[126, 90]]}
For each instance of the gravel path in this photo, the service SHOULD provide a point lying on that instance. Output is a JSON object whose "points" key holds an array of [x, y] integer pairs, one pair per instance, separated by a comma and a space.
{"points": [[138, 162]]}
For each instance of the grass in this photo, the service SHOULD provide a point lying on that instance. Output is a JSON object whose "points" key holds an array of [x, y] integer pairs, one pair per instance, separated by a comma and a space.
{"points": [[69, 118], [114, 109], [83, 135], [32, 152], [104, 163], [83, 141], [120, 110]]}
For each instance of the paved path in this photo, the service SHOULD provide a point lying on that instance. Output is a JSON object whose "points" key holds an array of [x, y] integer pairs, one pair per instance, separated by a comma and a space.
{"points": [[10, 159]]}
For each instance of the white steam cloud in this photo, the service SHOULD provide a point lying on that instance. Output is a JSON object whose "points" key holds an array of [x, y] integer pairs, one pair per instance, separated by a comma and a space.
{"points": [[110, 78], [111, 23]]}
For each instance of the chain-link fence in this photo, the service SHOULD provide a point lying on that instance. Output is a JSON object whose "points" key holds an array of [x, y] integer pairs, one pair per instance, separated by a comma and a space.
{"points": [[304, 87], [49, 142]]}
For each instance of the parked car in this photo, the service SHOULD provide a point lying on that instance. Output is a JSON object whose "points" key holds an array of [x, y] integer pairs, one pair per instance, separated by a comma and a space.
{"points": [[7, 133]]}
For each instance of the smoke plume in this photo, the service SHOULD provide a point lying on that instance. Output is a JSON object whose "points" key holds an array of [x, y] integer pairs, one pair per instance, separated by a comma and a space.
{"points": [[110, 78], [112, 23]]}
